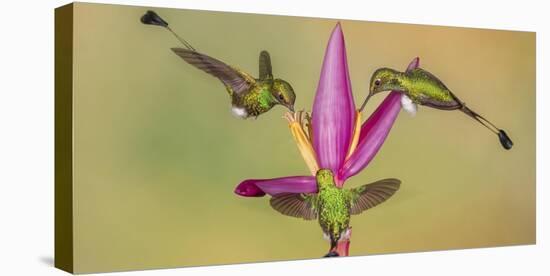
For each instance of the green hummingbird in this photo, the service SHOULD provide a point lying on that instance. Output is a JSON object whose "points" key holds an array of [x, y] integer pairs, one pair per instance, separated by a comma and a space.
{"points": [[422, 87], [333, 206], [250, 97]]}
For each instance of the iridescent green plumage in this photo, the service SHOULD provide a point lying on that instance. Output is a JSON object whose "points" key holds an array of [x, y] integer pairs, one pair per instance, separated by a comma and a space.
{"points": [[333, 206], [419, 85], [422, 87], [250, 97]]}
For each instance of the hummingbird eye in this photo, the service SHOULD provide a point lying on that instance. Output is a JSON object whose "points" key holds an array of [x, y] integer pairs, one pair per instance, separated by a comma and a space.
{"points": [[281, 97], [377, 82]]}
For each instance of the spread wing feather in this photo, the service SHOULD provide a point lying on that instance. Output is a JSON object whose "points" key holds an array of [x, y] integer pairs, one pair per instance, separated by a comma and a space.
{"points": [[265, 66], [295, 205], [225, 73], [370, 195]]}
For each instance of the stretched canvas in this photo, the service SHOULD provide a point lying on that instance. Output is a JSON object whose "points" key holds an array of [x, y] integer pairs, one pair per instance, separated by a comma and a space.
{"points": [[187, 138]]}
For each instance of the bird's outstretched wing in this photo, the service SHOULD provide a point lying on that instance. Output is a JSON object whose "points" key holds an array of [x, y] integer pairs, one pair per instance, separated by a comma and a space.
{"points": [[237, 81], [295, 205], [370, 195], [265, 66]]}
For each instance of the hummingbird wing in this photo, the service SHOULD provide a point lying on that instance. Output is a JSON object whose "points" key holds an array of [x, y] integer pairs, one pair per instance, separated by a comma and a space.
{"points": [[427, 100], [265, 66], [232, 78], [295, 205], [369, 195], [420, 73]]}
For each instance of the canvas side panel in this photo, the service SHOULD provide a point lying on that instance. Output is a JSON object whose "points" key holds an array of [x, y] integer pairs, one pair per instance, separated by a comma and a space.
{"points": [[63, 138]]}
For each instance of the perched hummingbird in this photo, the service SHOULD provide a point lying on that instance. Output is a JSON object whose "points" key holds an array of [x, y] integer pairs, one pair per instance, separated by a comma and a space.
{"points": [[422, 87], [249, 96], [333, 206]]}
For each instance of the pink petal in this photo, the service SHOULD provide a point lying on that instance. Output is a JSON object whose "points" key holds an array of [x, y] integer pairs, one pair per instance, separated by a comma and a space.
{"points": [[289, 184], [333, 112], [374, 132], [415, 63]]}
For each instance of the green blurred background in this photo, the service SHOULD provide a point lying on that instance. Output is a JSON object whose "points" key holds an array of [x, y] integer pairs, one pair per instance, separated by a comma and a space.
{"points": [[158, 153]]}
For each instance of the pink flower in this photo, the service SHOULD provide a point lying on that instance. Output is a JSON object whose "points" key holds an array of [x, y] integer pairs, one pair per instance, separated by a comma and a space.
{"points": [[334, 137]]}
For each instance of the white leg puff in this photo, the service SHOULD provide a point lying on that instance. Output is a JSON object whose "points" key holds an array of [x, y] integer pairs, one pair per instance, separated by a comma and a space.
{"points": [[239, 112], [408, 105], [345, 235]]}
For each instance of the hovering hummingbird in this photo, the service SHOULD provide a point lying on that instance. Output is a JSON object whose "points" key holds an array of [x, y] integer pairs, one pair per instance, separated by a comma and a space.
{"points": [[249, 96], [422, 87], [333, 206]]}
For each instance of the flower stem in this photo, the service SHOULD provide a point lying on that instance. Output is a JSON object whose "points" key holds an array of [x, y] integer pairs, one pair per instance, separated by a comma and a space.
{"points": [[342, 248]]}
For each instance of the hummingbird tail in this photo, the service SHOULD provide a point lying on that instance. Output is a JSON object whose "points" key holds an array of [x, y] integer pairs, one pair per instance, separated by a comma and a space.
{"points": [[332, 254], [333, 244], [505, 141], [332, 251], [183, 41], [152, 18]]}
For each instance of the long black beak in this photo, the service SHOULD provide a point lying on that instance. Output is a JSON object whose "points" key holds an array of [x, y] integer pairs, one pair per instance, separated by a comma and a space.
{"points": [[365, 102], [291, 108]]}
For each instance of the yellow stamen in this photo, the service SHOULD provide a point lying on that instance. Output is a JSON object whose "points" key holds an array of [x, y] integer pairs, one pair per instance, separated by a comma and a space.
{"points": [[302, 140], [356, 132]]}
